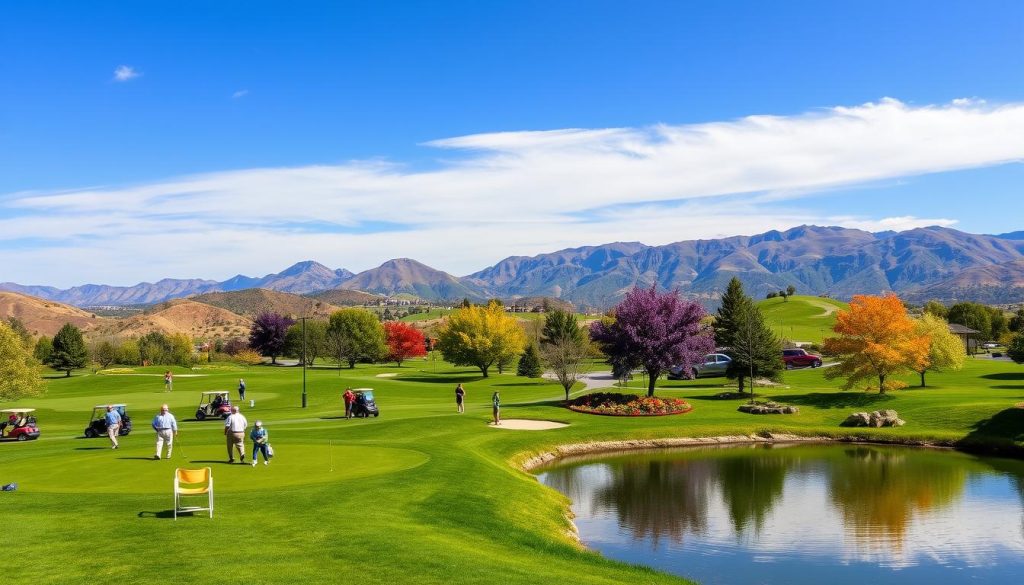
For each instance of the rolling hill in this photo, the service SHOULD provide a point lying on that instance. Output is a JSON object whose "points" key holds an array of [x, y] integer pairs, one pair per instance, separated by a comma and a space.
{"points": [[253, 301], [43, 317], [198, 320], [801, 318]]}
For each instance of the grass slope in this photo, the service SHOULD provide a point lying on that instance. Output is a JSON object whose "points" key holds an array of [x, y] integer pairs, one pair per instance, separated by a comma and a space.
{"points": [[419, 495], [801, 318]]}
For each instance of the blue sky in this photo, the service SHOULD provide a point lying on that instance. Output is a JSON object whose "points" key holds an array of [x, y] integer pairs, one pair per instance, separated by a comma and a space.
{"points": [[244, 136]]}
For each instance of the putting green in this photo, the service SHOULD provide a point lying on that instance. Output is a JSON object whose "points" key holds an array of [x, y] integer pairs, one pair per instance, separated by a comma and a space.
{"points": [[102, 470]]}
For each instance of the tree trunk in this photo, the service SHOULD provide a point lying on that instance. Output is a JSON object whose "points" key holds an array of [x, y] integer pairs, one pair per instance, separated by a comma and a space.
{"points": [[650, 383], [881, 383], [922, 378], [351, 364], [67, 373], [483, 370], [741, 380], [273, 360], [567, 392]]}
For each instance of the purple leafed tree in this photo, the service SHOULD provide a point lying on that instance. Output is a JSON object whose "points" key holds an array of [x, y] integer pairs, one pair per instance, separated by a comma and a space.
{"points": [[654, 331], [267, 335]]}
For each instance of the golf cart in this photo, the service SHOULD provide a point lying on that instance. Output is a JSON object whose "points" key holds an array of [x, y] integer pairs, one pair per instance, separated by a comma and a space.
{"points": [[18, 424], [98, 422], [364, 404], [213, 404]]}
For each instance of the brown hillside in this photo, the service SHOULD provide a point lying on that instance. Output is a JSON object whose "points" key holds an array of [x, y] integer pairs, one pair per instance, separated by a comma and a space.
{"points": [[197, 320], [346, 298], [253, 301], [42, 317]]}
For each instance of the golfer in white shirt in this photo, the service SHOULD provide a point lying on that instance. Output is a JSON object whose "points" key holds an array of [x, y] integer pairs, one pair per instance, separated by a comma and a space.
{"points": [[234, 431]]}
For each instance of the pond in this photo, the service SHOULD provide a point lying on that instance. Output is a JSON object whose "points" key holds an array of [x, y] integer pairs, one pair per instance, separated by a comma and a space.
{"points": [[803, 514]]}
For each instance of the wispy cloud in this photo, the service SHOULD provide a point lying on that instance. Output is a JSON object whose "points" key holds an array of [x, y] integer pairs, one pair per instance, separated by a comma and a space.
{"points": [[510, 193], [240, 94], [125, 73]]}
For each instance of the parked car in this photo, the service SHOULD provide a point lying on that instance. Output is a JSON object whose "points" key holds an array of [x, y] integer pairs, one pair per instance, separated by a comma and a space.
{"points": [[990, 345], [799, 358], [714, 364]]}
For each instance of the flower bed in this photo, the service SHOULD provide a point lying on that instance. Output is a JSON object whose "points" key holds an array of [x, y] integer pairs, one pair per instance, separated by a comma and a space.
{"points": [[613, 404]]}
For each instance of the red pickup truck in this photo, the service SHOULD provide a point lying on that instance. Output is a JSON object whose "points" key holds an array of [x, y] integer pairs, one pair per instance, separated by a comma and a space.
{"points": [[798, 358]]}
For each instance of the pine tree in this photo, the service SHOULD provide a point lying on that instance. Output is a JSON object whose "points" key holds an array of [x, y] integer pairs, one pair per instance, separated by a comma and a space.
{"points": [[734, 302], [529, 363], [755, 351], [68, 350]]}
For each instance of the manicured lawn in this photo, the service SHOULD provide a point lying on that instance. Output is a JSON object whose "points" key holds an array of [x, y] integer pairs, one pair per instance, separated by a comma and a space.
{"points": [[419, 495], [801, 318]]}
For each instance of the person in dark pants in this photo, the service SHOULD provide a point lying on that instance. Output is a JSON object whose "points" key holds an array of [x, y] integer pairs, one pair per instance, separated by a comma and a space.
{"points": [[460, 399], [496, 403], [349, 397], [241, 389], [260, 443]]}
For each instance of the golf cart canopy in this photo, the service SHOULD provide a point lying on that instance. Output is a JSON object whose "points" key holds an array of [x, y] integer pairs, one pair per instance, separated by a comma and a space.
{"points": [[18, 410], [223, 392]]}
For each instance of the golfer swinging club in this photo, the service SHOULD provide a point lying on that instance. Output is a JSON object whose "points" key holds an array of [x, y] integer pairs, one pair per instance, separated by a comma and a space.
{"points": [[166, 427]]}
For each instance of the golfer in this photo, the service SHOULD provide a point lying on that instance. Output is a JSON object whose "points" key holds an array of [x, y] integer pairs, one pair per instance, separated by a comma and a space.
{"points": [[166, 427], [260, 443], [234, 431], [349, 397], [460, 398], [496, 402], [113, 419], [168, 381], [241, 389]]}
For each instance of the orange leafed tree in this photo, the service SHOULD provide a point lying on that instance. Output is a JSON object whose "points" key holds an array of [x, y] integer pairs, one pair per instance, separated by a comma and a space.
{"points": [[876, 339]]}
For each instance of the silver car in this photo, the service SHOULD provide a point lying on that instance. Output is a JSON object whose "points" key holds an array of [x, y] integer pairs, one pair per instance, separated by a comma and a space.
{"points": [[714, 365]]}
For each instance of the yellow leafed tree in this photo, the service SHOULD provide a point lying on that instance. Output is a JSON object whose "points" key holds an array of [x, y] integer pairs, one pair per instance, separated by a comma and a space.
{"points": [[20, 374], [876, 339], [480, 336], [945, 350]]}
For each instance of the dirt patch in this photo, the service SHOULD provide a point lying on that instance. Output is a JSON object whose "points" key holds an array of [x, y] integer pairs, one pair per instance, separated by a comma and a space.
{"points": [[522, 424]]}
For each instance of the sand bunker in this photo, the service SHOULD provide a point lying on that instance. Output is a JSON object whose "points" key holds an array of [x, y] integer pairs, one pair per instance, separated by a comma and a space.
{"points": [[522, 424], [390, 375]]}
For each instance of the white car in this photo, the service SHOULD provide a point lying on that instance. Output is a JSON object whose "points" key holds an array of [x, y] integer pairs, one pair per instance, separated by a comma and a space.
{"points": [[990, 345]]}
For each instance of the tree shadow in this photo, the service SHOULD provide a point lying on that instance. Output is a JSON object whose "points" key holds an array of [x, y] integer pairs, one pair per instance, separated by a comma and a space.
{"points": [[150, 458], [999, 433], [836, 399], [724, 396], [534, 384], [91, 448], [442, 379], [556, 403], [216, 461], [1008, 376]]}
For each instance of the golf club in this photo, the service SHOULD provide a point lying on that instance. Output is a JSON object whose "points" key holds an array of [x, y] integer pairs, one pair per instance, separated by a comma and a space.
{"points": [[177, 443]]}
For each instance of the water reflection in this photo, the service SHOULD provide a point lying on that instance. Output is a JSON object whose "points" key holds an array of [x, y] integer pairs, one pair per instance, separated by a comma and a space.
{"points": [[803, 513]]}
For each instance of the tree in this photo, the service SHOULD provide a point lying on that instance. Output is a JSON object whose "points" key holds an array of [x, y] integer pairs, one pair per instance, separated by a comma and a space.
{"points": [[564, 347], [945, 350], [404, 341], [315, 339], [1016, 349], [771, 295], [755, 350], [354, 335], [529, 363], [480, 336], [248, 357], [877, 338], [1016, 323], [790, 290], [129, 352], [68, 350], [936, 308], [19, 329], [43, 349], [784, 295], [267, 335], [19, 371], [654, 331], [973, 315], [560, 325], [733, 303], [104, 353]]}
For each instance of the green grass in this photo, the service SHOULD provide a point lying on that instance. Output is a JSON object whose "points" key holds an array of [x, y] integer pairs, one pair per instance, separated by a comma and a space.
{"points": [[801, 318], [419, 495]]}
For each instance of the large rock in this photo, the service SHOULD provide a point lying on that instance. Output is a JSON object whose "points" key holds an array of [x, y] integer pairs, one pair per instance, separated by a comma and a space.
{"points": [[878, 418], [768, 408]]}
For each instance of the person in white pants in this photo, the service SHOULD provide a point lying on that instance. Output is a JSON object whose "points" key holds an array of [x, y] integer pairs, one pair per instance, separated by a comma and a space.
{"points": [[166, 427]]}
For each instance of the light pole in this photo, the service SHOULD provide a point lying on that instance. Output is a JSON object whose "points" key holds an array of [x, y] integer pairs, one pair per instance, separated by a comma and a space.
{"points": [[303, 319]]}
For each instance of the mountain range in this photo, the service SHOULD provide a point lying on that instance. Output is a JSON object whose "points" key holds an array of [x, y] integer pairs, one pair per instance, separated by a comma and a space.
{"points": [[923, 263]]}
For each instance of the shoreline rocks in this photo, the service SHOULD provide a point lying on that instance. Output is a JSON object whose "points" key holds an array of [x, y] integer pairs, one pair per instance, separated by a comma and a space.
{"points": [[768, 407], [878, 418]]}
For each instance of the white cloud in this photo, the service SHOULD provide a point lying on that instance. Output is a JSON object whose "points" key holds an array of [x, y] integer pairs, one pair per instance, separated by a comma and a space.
{"points": [[240, 94], [125, 73], [511, 193]]}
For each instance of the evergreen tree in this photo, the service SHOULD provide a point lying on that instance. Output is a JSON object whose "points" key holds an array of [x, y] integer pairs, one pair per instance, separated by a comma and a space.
{"points": [[561, 325], [68, 350], [529, 363], [733, 303], [755, 350], [43, 349]]}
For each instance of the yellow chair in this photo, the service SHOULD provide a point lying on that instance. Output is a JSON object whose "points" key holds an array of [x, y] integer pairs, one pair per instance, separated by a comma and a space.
{"points": [[202, 482]]}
